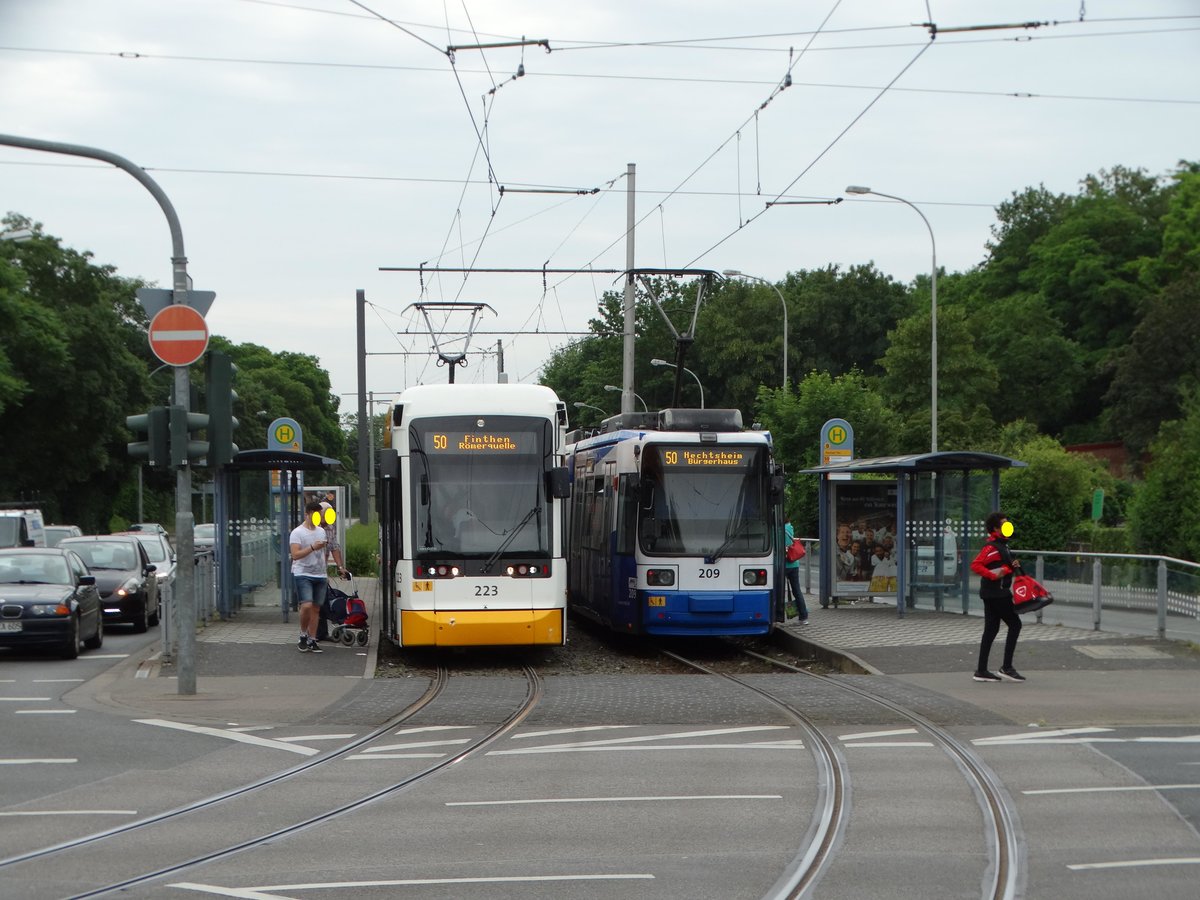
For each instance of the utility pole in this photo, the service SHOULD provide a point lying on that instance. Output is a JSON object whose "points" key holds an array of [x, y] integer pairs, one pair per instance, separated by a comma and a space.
{"points": [[501, 375], [365, 457], [630, 319], [184, 522]]}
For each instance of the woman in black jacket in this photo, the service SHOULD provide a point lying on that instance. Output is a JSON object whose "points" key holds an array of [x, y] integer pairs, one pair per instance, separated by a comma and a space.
{"points": [[994, 565]]}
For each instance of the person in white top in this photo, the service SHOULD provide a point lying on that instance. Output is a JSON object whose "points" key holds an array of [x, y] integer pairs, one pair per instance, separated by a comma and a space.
{"points": [[309, 573]]}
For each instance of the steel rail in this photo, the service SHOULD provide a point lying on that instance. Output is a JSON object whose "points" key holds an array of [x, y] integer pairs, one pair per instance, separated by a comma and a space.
{"points": [[532, 697]]}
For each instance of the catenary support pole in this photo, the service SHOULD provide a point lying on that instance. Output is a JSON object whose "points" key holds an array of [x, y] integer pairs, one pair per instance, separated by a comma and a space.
{"points": [[365, 462], [627, 386]]}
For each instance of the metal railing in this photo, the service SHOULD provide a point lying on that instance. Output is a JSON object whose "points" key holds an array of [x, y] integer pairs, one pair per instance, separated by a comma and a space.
{"points": [[1128, 593]]}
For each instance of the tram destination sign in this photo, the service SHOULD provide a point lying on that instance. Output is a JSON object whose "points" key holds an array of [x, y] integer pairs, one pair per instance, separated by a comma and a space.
{"points": [[483, 443], [706, 458]]}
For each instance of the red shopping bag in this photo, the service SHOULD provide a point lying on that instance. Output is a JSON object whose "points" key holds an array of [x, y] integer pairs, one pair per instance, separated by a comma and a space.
{"points": [[1028, 595]]}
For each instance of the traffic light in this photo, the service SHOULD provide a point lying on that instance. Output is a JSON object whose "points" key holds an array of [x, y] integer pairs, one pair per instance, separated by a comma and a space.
{"points": [[183, 448], [219, 396], [154, 424]]}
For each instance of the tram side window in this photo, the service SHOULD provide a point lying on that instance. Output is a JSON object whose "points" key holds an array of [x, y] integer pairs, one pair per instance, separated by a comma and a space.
{"points": [[627, 505], [596, 506]]}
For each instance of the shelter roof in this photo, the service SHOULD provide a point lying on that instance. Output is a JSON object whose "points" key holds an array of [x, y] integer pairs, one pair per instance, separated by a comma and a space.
{"points": [[942, 461], [283, 459]]}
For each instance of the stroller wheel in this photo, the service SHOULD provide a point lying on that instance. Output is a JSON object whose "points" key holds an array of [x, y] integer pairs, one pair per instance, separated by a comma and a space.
{"points": [[335, 633], [347, 638], [363, 637]]}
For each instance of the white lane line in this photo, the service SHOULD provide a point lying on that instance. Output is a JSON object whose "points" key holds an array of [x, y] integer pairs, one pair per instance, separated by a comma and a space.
{"points": [[229, 735], [316, 737], [414, 745], [1039, 736], [537, 734], [397, 756], [25, 699], [870, 744], [59, 680], [45, 712], [428, 728], [642, 748], [71, 813], [37, 762], [1116, 790], [1186, 739], [616, 799], [670, 736], [877, 734], [234, 726], [1133, 863], [108, 656], [265, 892]]}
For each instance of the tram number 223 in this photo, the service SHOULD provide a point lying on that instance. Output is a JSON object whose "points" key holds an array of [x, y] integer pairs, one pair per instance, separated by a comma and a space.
{"points": [[710, 573]]}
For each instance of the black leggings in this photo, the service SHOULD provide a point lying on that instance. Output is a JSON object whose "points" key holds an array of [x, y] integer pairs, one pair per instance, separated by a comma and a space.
{"points": [[995, 611]]}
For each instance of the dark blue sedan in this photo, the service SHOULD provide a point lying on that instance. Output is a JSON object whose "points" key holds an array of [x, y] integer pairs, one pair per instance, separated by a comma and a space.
{"points": [[48, 599]]}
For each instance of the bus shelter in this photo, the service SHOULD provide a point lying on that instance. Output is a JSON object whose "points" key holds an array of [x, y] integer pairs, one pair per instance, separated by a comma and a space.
{"points": [[905, 528], [258, 500]]}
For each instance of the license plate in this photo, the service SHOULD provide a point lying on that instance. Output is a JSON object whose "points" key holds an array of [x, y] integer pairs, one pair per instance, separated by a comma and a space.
{"points": [[10, 626]]}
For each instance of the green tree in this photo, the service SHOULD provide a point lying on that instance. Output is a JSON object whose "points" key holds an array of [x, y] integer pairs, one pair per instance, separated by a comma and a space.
{"points": [[1162, 514], [795, 420], [1051, 497]]}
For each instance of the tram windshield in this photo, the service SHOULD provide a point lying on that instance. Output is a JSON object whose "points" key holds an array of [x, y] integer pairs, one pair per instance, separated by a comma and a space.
{"points": [[704, 500], [478, 484]]}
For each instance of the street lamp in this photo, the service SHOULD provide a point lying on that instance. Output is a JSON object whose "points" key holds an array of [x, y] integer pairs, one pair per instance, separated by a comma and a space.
{"points": [[613, 387], [663, 362], [933, 351], [579, 404], [734, 273]]}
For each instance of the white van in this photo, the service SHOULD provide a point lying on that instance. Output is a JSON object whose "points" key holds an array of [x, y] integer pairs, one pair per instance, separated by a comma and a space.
{"points": [[22, 528]]}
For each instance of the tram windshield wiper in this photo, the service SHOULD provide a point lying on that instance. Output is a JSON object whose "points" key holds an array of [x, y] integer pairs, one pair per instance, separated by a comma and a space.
{"points": [[491, 560], [720, 551]]}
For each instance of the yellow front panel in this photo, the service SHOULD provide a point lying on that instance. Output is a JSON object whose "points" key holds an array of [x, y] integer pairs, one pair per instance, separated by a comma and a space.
{"points": [[481, 628]]}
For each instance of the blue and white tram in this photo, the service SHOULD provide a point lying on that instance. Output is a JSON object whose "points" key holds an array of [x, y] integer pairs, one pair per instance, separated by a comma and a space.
{"points": [[470, 511], [674, 525]]}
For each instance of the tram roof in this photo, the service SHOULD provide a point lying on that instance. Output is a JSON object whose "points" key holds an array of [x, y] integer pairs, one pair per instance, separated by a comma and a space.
{"points": [[942, 461]]}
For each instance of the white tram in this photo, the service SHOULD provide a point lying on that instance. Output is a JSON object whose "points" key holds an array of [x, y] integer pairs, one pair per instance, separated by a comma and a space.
{"points": [[470, 509]]}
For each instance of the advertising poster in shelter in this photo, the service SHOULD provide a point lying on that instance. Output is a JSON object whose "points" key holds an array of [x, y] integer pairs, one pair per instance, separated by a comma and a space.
{"points": [[865, 552]]}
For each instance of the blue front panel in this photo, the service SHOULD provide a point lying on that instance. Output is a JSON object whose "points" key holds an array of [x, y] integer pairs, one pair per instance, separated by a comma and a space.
{"points": [[705, 612]]}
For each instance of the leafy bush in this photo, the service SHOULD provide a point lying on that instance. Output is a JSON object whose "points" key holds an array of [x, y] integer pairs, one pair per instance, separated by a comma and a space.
{"points": [[362, 550]]}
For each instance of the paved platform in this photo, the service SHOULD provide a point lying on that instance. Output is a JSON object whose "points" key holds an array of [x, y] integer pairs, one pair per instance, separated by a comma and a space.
{"points": [[249, 671]]}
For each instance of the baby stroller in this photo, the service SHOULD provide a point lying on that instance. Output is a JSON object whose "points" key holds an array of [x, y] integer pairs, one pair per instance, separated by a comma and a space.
{"points": [[347, 614]]}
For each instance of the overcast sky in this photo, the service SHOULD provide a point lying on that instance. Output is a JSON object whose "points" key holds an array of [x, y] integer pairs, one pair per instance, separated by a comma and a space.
{"points": [[307, 143]]}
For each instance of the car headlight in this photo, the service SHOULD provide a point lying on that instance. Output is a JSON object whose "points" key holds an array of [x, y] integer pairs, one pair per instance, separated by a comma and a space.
{"points": [[129, 587], [45, 609]]}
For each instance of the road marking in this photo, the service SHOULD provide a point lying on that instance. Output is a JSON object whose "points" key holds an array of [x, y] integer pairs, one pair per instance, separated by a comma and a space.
{"points": [[229, 735], [108, 656], [616, 799], [876, 734], [58, 680], [427, 728], [1038, 737], [25, 699], [644, 748], [314, 737], [34, 762], [396, 756], [1112, 790], [71, 812], [891, 744], [534, 734], [1185, 739], [45, 712], [265, 892], [414, 745], [1132, 863], [611, 743]]}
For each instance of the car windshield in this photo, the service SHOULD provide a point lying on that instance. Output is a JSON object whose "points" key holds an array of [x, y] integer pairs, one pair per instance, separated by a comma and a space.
{"points": [[106, 554], [8, 531], [54, 535], [154, 547], [204, 533], [34, 569]]}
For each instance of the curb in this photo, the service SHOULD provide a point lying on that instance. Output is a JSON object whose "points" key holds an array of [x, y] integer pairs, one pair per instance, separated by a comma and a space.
{"points": [[841, 660]]}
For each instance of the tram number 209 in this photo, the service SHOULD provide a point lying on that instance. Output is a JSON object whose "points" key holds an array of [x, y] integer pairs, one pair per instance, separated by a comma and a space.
{"points": [[710, 573]]}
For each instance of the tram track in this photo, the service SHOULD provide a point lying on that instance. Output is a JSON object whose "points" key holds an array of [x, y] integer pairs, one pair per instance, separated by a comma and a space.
{"points": [[831, 816], [533, 695]]}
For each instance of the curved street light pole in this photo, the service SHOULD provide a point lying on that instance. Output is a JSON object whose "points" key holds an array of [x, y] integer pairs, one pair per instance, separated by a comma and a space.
{"points": [[613, 387], [663, 362], [579, 404], [734, 273], [933, 348]]}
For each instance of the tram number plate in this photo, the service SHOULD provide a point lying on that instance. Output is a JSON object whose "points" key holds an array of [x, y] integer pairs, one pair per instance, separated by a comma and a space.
{"points": [[10, 626], [422, 586], [656, 601]]}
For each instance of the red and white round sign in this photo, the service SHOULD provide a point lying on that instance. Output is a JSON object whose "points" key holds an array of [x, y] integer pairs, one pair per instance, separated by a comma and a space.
{"points": [[178, 335]]}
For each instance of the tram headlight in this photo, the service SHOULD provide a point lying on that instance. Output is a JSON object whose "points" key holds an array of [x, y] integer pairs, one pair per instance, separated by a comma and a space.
{"points": [[753, 577], [660, 577]]}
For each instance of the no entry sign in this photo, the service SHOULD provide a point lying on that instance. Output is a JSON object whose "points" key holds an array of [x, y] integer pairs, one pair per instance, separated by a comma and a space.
{"points": [[178, 335]]}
